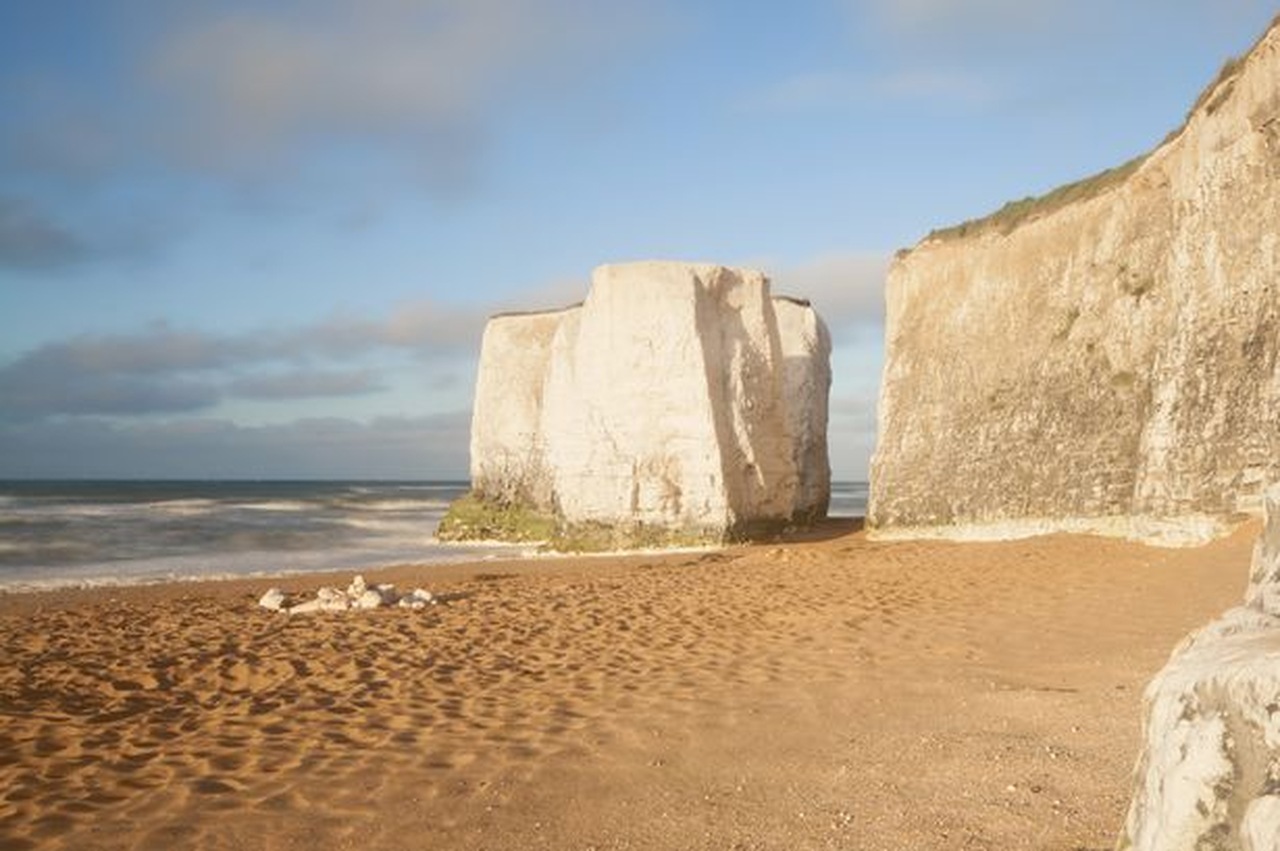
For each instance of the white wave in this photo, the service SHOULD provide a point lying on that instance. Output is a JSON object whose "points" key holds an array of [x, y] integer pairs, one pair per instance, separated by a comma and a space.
{"points": [[398, 505], [181, 507], [413, 526], [283, 505], [256, 564]]}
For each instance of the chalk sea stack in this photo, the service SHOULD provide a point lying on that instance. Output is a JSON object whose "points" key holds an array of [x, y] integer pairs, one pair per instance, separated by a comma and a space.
{"points": [[1102, 359], [679, 403]]}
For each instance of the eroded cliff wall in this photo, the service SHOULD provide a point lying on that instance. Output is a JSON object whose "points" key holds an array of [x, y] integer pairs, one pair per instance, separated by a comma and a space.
{"points": [[506, 446], [806, 380], [1106, 364]]}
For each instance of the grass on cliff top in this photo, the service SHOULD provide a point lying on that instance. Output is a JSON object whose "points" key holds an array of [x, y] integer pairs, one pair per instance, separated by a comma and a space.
{"points": [[1016, 213]]}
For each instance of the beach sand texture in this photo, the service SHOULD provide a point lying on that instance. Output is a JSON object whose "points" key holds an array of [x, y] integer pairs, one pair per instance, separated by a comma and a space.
{"points": [[831, 692]]}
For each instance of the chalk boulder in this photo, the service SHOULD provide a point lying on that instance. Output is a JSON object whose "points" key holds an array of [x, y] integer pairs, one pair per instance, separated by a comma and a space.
{"points": [[273, 599], [1208, 776], [678, 401]]}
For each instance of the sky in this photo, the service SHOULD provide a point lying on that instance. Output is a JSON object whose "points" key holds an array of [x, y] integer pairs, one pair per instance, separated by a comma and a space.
{"points": [[260, 239]]}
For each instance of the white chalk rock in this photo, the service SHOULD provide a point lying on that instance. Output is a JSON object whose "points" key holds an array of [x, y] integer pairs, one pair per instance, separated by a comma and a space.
{"points": [[678, 396], [664, 403], [333, 600], [307, 607], [506, 444], [1209, 771], [418, 598], [806, 384], [358, 595], [371, 598], [274, 599]]}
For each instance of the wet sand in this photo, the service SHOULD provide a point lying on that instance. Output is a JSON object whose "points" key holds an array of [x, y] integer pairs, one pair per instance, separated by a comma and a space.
{"points": [[828, 693]]}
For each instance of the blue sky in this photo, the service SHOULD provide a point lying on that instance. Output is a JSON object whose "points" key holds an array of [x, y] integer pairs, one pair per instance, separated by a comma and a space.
{"points": [[261, 239]]}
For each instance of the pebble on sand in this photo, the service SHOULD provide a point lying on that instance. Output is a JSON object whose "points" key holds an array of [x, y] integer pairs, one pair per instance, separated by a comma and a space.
{"points": [[358, 595]]}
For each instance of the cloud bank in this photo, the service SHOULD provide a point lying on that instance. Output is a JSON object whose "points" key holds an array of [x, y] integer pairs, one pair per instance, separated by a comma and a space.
{"points": [[165, 370], [387, 448], [256, 90], [31, 239]]}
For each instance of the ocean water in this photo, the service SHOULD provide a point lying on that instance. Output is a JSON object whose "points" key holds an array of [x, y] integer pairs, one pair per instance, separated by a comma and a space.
{"points": [[849, 499], [89, 533]]}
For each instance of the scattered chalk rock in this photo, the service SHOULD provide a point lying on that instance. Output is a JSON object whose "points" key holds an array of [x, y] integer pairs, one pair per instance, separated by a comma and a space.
{"points": [[358, 595], [417, 599], [274, 600]]}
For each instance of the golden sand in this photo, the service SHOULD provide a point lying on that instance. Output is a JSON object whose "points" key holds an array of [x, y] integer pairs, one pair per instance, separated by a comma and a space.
{"points": [[820, 694]]}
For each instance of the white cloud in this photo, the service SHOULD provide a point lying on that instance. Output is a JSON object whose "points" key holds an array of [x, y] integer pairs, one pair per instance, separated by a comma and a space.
{"points": [[249, 81], [265, 92], [30, 239]]}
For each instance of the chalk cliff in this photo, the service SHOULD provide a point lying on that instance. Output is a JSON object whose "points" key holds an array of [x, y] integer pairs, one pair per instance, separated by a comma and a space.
{"points": [[806, 384], [677, 402], [1102, 359]]}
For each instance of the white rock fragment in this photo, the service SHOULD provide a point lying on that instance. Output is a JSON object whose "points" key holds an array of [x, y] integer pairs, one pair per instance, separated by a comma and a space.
{"points": [[417, 599], [306, 607], [333, 600], [274, 599], [358, 595]]}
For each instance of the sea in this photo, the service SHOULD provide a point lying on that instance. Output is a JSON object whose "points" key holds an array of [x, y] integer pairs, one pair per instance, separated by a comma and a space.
{"points": [[56, 534]]}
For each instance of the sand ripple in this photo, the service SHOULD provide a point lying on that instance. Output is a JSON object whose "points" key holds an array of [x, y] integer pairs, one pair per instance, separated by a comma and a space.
{"points": [[836, 693]]}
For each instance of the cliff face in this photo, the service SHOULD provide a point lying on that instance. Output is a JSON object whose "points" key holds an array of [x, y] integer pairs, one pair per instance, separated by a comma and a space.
{"points": [[677, 398], [806, 382], [1107, 364]]}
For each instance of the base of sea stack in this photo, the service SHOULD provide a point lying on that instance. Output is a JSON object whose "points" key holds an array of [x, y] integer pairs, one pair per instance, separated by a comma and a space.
{"points": [[1186, 531], [472, 518], [1209, 773]]}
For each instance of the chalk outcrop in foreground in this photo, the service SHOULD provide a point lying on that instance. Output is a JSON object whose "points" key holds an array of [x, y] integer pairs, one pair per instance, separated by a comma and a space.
{"points": [[678, 403], [1209, 773], [1103, 359]]}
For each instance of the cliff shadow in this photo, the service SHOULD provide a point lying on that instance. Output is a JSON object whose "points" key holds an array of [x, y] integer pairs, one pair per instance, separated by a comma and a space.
{"points": [[826, 529]]}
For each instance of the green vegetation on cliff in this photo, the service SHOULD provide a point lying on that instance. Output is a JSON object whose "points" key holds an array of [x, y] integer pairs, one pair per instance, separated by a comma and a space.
{"points": [[1015, 213], [471, 518]]}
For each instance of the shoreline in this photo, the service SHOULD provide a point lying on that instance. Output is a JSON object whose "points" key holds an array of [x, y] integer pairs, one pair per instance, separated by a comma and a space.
{"points": [[824, 692]]}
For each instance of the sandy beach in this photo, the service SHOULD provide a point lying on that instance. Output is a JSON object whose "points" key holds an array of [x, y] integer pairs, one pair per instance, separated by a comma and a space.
{"points": [[832, 692]]}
